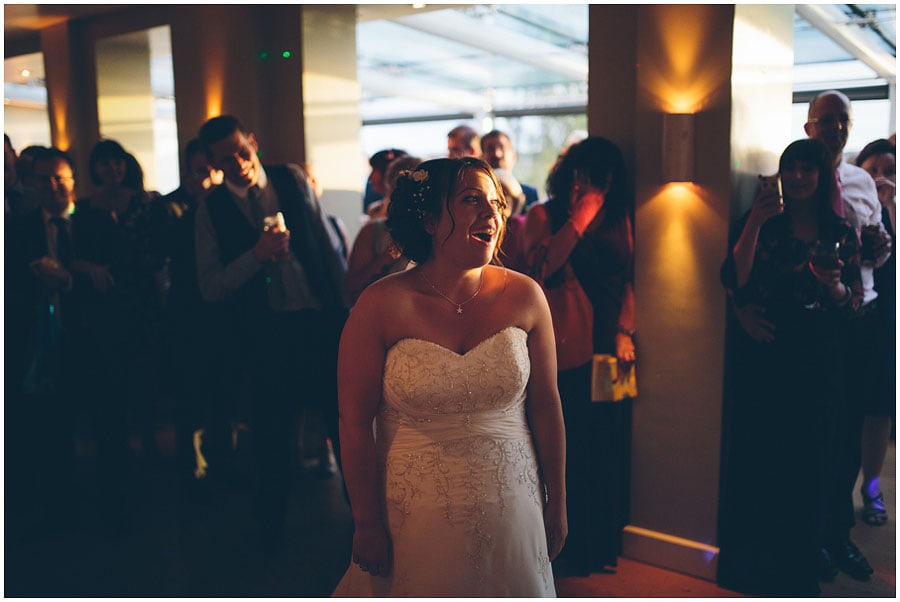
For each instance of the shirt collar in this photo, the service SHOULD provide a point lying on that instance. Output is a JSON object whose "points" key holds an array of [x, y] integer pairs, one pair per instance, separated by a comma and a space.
{"points": [[66, 214], [241, 191]]}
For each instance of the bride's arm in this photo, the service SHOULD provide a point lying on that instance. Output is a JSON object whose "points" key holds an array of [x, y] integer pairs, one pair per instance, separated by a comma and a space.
{"points": [[360, 366], [545, 418]]}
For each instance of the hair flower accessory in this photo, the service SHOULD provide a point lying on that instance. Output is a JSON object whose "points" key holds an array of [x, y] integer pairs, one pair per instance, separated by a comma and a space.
{"points": [[420, 175]]}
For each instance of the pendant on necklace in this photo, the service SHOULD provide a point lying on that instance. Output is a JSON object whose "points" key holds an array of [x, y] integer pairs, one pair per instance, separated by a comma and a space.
{"points": [[459, 309]]}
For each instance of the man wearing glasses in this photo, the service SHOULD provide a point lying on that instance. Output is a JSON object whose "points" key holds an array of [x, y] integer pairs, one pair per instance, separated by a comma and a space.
{"points": [[41, 317], [829, 121]]}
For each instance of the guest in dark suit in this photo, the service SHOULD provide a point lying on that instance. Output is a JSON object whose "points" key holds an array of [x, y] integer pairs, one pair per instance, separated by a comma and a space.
{"points": [[285, 284], [39, 306], [57, 360], [195, 341]]}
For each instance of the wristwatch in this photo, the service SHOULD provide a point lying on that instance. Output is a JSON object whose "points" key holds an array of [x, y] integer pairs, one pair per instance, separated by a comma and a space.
{"points": [[629, 332]]}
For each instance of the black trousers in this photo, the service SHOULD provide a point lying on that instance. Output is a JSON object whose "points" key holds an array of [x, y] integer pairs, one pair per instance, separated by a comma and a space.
{"points": [[862, 379], [293, 363], [598, 471]]}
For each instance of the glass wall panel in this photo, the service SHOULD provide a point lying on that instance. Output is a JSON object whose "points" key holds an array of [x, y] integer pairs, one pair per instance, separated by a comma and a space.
{"points": [[136, 105], [25, 117]]}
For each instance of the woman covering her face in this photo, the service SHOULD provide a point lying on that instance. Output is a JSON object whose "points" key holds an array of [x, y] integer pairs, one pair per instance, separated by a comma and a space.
{"points": [[579, 247]]}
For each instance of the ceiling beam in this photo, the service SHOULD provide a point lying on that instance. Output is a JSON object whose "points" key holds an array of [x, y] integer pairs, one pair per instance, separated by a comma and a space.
{"points": [[472, 31], [381, 84], [831, 22]]}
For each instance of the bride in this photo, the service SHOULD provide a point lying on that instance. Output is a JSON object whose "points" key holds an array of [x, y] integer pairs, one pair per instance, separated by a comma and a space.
{"points": [[459, 490]]}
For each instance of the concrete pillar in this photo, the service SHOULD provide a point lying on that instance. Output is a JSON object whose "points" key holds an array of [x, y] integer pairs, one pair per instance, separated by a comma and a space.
{"points": [[331, 96], [230, 59], [71, 94], [214, 57], [646, 61]]}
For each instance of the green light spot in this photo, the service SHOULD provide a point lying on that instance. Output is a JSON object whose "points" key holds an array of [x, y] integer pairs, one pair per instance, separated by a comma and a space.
{"points": [[286, 54], [268, 280], [263, 55]]}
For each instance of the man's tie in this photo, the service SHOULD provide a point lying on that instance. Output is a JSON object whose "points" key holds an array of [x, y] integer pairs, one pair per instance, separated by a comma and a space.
{"points": [[63, 242], [274, 278], [256, 208]]}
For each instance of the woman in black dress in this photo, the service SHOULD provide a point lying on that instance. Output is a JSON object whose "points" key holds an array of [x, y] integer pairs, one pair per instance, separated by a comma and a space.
{"points": [[128, 263], [793, 268]]}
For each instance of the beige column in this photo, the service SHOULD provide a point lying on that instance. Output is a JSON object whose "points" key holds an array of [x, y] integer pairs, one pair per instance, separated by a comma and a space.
{"points": [[331, 96], [71, 94], [646, 61], [244, 61]]}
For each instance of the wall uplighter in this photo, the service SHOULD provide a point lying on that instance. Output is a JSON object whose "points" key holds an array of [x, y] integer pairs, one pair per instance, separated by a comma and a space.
{"points": [[678, 147]]}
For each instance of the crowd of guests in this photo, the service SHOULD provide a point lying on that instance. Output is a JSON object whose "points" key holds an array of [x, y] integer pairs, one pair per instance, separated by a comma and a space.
{"points": [[230, 294]]}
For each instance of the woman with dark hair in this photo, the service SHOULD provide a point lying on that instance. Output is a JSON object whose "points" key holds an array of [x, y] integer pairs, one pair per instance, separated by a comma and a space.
{"points": [[879, 158], [373, 256], [460, 491], [795, 258], [129, 268], [579, 247]]}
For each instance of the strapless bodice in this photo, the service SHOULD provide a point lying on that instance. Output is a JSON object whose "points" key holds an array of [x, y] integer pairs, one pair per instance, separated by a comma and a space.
{"points": [[423, 380]]}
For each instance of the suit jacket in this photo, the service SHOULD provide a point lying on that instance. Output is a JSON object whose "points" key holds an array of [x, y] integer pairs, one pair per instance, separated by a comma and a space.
{"points": [[29, 316], [26, 240], [313, 243]]}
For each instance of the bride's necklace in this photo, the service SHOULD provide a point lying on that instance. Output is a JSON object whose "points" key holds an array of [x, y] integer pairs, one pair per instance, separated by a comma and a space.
{"points": [[459, 306]]}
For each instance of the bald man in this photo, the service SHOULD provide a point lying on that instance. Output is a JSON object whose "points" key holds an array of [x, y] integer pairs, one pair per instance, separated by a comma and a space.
{"points": [[829, 121]]}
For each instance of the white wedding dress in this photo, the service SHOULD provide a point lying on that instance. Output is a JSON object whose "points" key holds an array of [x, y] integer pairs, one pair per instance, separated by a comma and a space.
{"points": [[459, 471]]}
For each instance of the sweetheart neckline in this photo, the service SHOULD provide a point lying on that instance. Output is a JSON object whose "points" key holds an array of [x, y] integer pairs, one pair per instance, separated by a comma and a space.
{"points": [[448, 350]]}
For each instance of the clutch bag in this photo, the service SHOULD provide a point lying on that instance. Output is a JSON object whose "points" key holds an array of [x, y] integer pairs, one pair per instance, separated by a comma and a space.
{"points": [[609, 382]]}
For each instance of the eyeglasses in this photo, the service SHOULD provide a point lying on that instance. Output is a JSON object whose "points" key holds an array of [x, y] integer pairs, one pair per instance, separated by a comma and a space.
{"points": [[47, 180], [832, 120]]}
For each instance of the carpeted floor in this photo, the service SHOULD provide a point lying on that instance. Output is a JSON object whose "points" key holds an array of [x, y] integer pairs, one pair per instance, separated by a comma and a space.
{"points": [[205, 546]]}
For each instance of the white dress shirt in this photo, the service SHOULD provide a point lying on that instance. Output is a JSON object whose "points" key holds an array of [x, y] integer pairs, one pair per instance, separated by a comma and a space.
{"points": [[861, 207]]}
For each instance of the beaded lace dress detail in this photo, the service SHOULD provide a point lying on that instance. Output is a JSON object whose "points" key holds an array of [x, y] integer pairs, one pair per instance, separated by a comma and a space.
{"points": [[459, 472]]}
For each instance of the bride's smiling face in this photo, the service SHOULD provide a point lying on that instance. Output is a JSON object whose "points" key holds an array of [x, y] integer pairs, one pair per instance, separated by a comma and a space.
{"points": [[472, 223]]}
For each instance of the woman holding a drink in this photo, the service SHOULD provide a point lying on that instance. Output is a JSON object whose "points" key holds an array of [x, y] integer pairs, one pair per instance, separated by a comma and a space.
{"points": [[794, 265]]}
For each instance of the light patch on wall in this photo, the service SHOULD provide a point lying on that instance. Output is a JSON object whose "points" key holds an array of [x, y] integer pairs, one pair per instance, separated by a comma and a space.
{"points": [[677, 267], [327, 96], [59, 119], [681, 81], [214, 85], [216, 57]]}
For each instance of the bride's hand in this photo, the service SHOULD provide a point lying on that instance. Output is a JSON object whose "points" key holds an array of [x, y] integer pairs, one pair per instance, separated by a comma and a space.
{"points": [[556, 526], [372, 550]]}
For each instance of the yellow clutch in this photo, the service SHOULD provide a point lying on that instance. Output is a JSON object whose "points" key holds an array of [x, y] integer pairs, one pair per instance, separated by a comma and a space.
{"points": [[609, 383]]}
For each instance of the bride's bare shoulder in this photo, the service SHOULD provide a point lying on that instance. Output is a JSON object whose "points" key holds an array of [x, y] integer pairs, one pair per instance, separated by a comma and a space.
{"points": [[387, 296], [520, 285]]}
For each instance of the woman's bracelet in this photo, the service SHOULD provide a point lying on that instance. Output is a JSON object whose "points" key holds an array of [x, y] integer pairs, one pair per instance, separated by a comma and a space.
{"points": [[845, 297], [574, 228], [628, 332]]}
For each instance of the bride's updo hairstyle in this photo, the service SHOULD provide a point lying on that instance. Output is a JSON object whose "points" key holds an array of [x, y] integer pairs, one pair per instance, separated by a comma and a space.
{"points": [[419, 199]]}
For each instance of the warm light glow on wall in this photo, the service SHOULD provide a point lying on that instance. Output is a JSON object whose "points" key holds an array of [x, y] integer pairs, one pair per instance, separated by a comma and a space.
{"points": [[681, 81], [59, 119], [215, 83], [678, 265], [215, 57]]}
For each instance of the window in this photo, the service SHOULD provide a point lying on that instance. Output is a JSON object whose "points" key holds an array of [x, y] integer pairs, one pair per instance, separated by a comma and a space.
{"points": [[25, 117]]}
